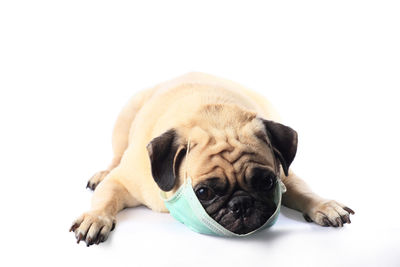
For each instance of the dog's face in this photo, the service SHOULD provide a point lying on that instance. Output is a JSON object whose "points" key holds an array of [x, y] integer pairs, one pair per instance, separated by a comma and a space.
{"points": [[233, 161]]}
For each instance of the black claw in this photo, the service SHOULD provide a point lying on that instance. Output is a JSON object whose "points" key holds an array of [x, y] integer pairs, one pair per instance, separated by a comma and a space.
{"points": [[307, 218], [96, 239], [79, 238], [326, 222], [349, 210], [100, 238], [73, 227], [345, 218], [91, 186], [90, 241], [113, 226]]}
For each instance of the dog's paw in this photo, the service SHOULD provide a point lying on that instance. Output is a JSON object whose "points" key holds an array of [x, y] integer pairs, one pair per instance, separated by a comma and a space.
{"points": [[329, 213], [93, 227], [96, 179]]}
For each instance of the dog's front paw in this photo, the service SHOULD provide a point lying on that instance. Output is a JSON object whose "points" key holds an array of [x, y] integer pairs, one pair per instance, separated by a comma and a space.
{"points": [[93, 227], [328, 213]]}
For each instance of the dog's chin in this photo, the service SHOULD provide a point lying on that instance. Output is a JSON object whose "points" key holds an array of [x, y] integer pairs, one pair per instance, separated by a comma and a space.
{"points": [[252, 220]]}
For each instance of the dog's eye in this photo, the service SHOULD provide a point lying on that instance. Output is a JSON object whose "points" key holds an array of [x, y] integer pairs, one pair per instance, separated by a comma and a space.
{"points": [[264, 183], [204, 193]]}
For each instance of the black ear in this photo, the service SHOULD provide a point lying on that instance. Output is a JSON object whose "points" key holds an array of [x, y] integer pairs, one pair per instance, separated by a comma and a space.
{"points": [[165, 154], [284, 142]]}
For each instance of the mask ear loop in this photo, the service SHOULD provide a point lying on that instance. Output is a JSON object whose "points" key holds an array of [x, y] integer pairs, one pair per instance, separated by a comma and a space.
{"points": [[187, 159]]}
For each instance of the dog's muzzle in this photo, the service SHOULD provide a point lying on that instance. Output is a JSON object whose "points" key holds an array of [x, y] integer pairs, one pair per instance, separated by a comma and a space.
{"points": [[185, 207]]}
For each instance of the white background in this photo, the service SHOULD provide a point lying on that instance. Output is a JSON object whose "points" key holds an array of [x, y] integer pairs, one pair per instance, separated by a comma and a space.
{"points": [[67, 67]]}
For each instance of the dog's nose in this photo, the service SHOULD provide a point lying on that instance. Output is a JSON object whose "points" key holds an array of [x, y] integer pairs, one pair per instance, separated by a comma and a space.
{"points": [[240, 206]]}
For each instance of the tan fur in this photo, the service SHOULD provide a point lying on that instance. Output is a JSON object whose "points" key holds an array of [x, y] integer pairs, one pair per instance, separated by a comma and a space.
{"points": [[219, 117]]}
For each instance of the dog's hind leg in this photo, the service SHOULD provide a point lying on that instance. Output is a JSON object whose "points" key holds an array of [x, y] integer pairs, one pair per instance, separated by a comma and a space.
{"points": [[98, 177], [120, 136]]}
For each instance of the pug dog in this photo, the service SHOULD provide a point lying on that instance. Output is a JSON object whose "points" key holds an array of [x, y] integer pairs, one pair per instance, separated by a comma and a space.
{"points": [[237, 144]]}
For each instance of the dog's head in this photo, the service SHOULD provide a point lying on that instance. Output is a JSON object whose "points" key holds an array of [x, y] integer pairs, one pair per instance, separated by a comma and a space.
{"points": [[232, 161]]}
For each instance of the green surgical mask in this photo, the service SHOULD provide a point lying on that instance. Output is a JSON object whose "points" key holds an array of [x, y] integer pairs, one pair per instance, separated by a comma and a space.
{"points": [[185, 207]]}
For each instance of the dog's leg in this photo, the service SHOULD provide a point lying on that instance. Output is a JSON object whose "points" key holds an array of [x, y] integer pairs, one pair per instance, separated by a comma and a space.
{"points": [[314, 208], [108, 199]]}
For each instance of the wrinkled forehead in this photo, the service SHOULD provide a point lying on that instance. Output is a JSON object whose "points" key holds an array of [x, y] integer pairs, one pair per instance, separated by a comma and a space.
{"points": [[228, 152]]}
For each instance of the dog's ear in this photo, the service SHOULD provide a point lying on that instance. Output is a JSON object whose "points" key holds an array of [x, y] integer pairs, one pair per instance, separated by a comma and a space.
{"points": [[165, 155], [284, 142]]}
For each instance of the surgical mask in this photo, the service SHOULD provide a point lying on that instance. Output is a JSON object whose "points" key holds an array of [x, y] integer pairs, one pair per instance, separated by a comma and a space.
{"points": [[185, 207]]}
